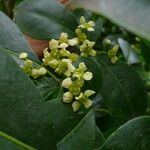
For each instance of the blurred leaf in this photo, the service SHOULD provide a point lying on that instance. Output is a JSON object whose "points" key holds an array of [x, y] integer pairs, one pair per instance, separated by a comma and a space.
{"points": [[23, 115], [129, 53], [78, 12], [7, 142], [135, 134], [128, 14], [122, 90], [12, 39], [44, 19]]}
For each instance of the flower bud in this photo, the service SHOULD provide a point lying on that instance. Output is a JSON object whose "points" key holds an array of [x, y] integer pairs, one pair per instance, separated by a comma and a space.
{"points": [[82, 20], [23, 55], [53, 63], [107, 41], [35, 73], [73, 42], [53, 44], [66, 83], [63, 38], [28, 63], [75, 106], [82, 66], [63, 45], [42, 71], [87, 76], [91, 23], [90, 29], [67, 97], [114, 59], [64, 53], [93, 53]]}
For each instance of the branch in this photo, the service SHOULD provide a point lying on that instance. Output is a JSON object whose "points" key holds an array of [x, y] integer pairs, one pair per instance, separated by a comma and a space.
{"points": [[8, 6]]}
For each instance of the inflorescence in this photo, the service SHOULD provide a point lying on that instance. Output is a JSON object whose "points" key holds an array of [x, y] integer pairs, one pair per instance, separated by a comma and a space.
{"points": [[59, 58]]}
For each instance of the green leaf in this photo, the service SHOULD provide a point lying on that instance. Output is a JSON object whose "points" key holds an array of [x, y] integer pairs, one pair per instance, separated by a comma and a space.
{"points": [[135, 134], [82, 136], [122, 90], [129, 14], [12, 39], [99, 138], [23, 114], [129, 53], [64, 120], [44, 19], [48, 88], [7, 142]]}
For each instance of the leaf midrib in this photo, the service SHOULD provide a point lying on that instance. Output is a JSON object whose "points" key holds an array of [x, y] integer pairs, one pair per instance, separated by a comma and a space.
{"points": [[117, 81]]}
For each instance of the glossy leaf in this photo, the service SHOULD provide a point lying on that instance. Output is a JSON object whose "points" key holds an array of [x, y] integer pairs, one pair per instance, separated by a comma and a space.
{"points": [[135, 134], [99, 138], [122, 90], [12, 39], [129, 14], [64, 120], [7, 142], [82, 136], [23, 115], [129, 53], [48, 88], [44, 19]]}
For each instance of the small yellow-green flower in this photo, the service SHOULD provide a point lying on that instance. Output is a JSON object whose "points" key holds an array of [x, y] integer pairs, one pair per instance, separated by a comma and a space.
{"points": [[42, 71], [87, 48], [67, 97], [75, 106], [23, 55], [73, 42], [112, 54], [84, 98], [66, 83], [89, 26], [63, 38], [35, 73], [53, 44]]}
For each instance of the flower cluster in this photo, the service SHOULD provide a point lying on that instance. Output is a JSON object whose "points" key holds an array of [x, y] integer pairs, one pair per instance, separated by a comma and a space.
{"points": [[74, 85], [112, 54], [59, 58], [86, 47], [29, 69]]}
